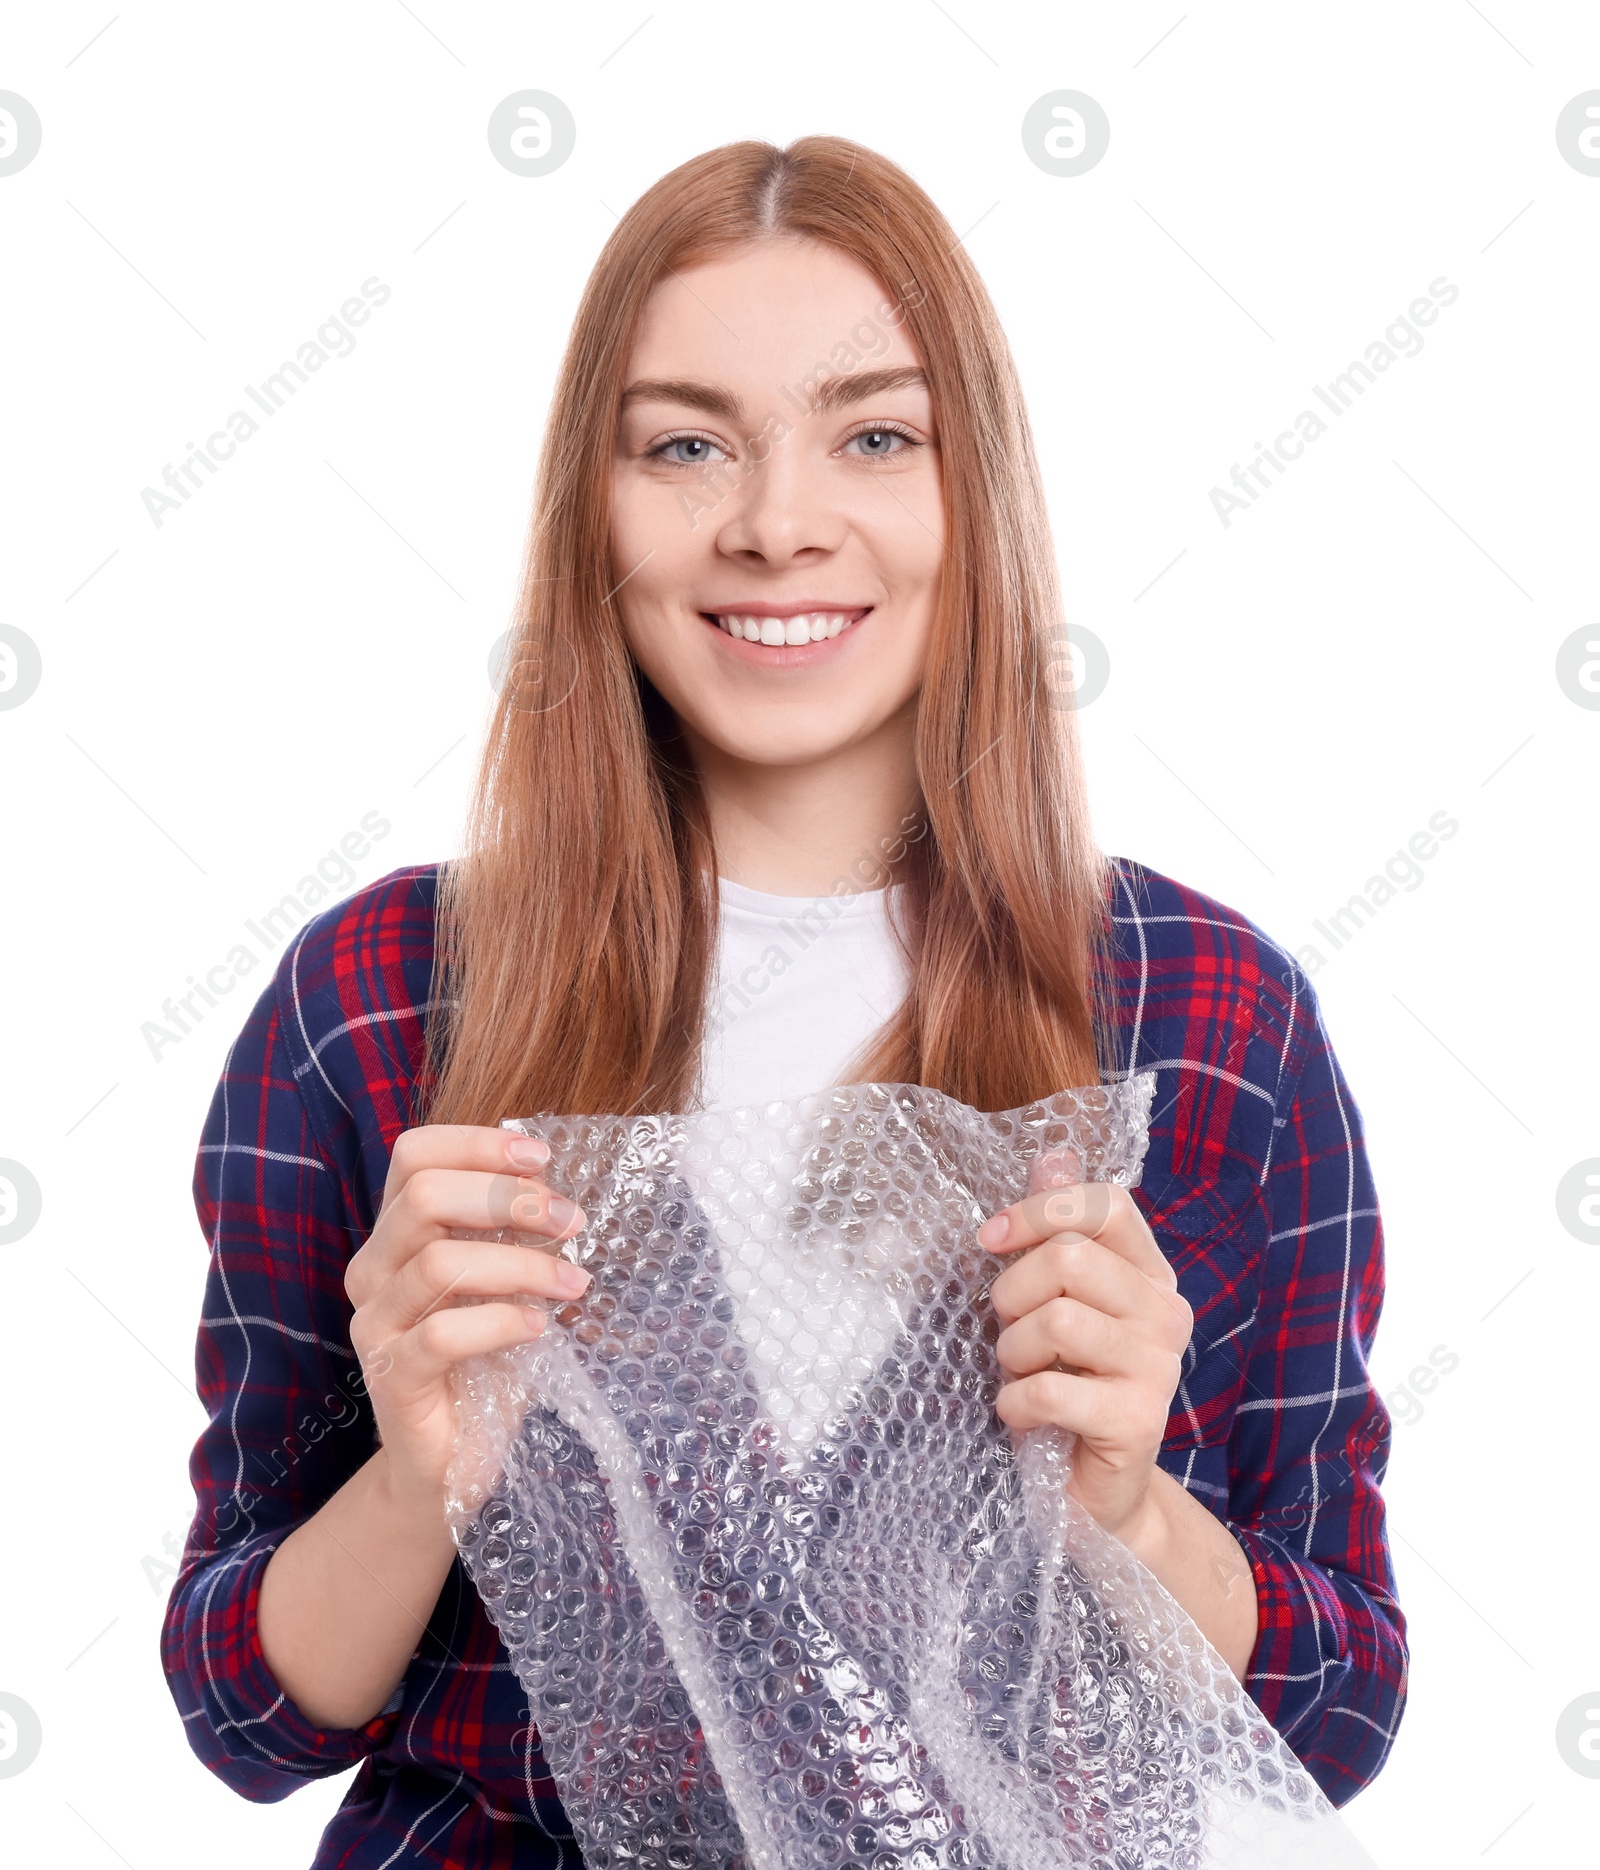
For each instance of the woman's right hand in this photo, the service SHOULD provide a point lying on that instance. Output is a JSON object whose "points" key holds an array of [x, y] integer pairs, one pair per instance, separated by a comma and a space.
{"points": [[407, 1282]]}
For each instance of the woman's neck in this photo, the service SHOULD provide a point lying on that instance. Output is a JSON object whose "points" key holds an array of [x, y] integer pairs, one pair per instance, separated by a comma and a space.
{"points": [[808, 830]]}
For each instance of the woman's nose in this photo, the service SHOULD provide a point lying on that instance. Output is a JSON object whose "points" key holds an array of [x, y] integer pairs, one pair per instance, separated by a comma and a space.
{"points": [[782, 504]]}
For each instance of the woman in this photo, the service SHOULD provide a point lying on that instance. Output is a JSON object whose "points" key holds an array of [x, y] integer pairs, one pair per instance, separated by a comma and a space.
{"points": [[778, 793]]}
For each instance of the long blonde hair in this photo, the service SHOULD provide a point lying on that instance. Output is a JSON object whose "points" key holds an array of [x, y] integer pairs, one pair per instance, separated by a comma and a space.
{"points": [[575, 935]]}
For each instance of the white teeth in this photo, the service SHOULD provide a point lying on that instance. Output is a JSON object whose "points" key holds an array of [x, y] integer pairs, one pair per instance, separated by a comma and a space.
{"points": [[815, 627]]}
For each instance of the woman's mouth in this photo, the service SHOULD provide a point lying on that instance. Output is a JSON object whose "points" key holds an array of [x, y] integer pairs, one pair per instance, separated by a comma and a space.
{"points": [[787, 631]]}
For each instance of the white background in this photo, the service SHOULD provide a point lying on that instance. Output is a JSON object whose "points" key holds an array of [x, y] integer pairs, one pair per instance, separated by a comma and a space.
{"points": [[1291, 696]]}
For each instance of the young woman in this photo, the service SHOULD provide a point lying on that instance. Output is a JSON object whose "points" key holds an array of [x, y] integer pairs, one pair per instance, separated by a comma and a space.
{"points": [[779, 793]]}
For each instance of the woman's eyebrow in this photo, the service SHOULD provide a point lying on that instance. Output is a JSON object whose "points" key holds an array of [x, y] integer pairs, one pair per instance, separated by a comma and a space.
{"points": [[827, 393]]}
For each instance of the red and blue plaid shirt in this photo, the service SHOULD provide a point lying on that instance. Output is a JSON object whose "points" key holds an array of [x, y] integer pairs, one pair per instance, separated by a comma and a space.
{"points": [[1255, 1183]]}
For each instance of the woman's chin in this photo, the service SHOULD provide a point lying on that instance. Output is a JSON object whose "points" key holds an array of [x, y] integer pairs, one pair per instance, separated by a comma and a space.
{"points": [[797, 736], [788, 749]]}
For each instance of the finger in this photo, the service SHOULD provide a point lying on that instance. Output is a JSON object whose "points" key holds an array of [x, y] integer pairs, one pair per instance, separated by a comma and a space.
{"points": [[461, 1146], [1065, 1332], [446, 1272], [433, 1201], [417, 1358], [464, 1202], [1099, 1210], [1079, 1267], [1083, 1404]]}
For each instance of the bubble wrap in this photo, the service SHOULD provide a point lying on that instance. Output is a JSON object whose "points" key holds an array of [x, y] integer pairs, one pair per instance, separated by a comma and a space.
{"points": [[782, 1590]]}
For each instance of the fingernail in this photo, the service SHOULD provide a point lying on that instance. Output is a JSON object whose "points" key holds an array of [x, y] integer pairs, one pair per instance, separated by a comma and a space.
{"points": [[536, 1320], [994, 1230], [571, 1278], [564, 1212], [528, 1152]]}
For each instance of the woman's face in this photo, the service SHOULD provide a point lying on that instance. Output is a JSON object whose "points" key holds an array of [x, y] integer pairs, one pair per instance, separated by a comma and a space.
{"points": [[777, 477]]}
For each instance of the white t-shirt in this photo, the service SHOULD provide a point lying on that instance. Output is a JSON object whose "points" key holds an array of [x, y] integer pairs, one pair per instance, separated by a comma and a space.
{"points": [[801, 983]]}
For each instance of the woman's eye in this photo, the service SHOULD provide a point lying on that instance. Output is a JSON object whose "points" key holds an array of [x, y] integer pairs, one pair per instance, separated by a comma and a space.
{"points": [[879, 442], [697, 451]]}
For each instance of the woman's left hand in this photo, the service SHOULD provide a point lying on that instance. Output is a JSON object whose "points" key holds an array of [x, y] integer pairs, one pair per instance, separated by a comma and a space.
{"points": [[1095, 1331]]}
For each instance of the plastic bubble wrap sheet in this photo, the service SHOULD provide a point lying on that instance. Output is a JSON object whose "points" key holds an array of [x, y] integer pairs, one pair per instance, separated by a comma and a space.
{"points": [[783, 1591]]}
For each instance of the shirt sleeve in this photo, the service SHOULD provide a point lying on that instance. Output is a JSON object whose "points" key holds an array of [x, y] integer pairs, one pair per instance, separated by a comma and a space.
{"points": [[288, 1420], [1310, 1445]]}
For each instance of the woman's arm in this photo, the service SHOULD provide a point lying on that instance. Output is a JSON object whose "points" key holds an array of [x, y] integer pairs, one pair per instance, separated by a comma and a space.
{"points": [[1292, 1584], [1200, 1562], [315, 1558], [1310, 1443], [348, 1593], [288, 1420]]}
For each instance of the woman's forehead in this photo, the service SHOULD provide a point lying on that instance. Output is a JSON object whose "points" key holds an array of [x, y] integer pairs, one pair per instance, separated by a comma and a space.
{"points": [[772, 311]]}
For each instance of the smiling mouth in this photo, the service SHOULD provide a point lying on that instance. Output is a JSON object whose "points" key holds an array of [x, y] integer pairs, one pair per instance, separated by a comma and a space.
{"points": [[812, 626]]}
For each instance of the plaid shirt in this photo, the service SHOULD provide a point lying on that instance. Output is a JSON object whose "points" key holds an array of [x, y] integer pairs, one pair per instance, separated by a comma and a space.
{"points": [[1255, 1183]]}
